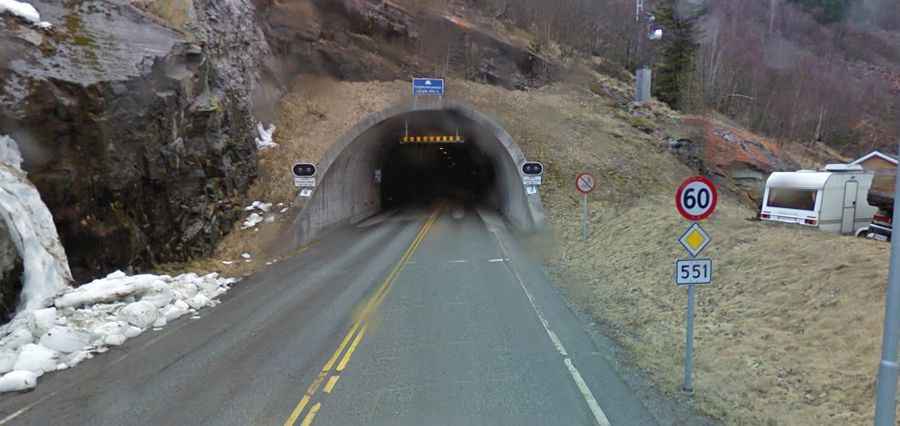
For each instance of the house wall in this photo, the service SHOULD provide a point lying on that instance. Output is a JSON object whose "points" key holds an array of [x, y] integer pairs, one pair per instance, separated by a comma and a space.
{"points": [[885, 173]]}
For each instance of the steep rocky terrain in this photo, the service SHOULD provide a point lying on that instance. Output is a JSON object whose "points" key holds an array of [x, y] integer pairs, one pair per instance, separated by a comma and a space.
{"points": [[363, 40], [138, 132], [136, 117]]}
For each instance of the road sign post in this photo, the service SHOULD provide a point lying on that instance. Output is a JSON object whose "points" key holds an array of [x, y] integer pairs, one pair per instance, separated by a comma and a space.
{"points": [[304, 178], [886, 391], [584, 183], [695, 200], [532, 176]]}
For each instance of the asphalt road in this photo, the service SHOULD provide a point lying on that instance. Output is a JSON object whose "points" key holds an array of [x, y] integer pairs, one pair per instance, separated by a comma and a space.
{"points": [[416, 317]]}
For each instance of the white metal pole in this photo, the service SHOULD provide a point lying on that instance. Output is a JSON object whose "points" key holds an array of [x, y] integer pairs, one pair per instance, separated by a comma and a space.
{"points": [[886, 397]]}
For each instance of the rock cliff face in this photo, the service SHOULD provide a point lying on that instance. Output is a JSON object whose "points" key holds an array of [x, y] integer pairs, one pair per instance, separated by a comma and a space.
{"points": [[136, 117], [382, 40], [135, 125]]}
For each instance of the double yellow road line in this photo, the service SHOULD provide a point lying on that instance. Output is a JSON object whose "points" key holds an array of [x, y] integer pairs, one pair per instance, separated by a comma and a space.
{"points": [[355, 335]]}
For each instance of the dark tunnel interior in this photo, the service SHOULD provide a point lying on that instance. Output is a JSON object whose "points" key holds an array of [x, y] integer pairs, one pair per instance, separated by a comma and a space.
{"points": [[417, 173]]}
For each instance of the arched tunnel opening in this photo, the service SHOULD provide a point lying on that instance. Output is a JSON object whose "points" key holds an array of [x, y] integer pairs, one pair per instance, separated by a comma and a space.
{"points": [[447, 165], [415, 156]]}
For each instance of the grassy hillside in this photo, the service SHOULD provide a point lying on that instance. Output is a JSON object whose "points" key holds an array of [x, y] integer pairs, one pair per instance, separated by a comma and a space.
{"points": [[789, 332]]}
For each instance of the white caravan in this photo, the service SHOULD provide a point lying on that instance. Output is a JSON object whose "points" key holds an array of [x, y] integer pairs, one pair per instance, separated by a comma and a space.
{"points": [[833, 200]]}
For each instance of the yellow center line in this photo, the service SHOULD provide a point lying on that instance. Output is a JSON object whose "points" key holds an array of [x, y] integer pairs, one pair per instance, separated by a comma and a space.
{"points": [[314, 386], [330, 385], [370, 307], [353, 346], [340, 348], [311, 415]]}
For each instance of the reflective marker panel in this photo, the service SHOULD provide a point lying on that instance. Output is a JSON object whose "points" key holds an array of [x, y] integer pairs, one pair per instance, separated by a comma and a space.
{"points": [[432, 139], [533, 169], [304, 170]]}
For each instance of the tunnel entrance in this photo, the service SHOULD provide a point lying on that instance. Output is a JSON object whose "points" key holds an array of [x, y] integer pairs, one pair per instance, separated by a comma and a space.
{"points": [[421, 172], [415, 155]]}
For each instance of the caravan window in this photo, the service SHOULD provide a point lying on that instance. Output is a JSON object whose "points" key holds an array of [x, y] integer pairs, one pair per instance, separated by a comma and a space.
{"points": [[791, 198]]}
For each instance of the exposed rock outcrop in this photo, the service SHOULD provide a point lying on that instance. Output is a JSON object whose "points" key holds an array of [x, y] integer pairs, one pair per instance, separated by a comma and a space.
{"points": [[136, 128], [382, 40]]}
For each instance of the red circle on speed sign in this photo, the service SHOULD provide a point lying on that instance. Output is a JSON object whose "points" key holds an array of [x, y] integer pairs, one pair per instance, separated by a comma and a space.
{"points": [[696, 198], [584, 183]]}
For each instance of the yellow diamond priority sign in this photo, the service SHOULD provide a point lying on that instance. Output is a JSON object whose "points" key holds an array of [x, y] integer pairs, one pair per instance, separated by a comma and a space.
{"points": [[694, 240]]}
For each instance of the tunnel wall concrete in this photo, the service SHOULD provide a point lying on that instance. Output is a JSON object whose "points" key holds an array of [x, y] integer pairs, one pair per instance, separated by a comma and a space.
{"points": [[347, 191]]}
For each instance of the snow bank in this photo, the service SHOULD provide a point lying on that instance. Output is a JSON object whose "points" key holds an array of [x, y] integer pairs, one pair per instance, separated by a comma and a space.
{"points": [[24, 11], [17, 381], [79, 322], [91, 318], [264, 141], [32, 230]]}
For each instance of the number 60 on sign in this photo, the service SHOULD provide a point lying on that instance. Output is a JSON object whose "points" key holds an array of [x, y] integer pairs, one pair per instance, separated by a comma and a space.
{"points": [[693, 271]]}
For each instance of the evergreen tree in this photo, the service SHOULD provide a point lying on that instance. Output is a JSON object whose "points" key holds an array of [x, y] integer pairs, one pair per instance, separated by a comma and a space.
{"points": [[675, 64], [827, 11]]}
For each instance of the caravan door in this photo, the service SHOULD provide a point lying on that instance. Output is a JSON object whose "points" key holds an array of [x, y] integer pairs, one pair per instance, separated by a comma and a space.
{"points": [[848, 216]]}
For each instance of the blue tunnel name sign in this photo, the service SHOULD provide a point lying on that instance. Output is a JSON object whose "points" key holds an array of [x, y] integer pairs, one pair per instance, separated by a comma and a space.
{"points": [[428, 86]]}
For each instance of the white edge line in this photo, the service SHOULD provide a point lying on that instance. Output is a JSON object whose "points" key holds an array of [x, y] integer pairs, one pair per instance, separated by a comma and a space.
{"points": [[599, 415], [22, 410], [586, 393]]}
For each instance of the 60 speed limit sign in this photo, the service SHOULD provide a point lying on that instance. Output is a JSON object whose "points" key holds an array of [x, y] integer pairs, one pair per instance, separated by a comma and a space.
{"points": [[696, 198]]}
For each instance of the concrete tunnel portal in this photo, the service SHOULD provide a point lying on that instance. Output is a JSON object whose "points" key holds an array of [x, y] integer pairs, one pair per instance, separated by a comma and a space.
{"points": [[369, 169]]}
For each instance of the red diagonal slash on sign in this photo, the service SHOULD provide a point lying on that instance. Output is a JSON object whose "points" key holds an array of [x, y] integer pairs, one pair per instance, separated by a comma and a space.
{"points": [[584, 183]]}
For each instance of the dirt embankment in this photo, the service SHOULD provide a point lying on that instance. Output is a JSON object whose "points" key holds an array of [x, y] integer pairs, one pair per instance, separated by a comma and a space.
{"points": [[789, 332]]}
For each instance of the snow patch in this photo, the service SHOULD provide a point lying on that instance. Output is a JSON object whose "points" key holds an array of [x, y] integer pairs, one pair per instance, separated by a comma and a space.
{"points": [[103, 313], [256, 218], [140, 314], [32, 230], [252, 220], [264, 141], [18, 381], [7, 360], [57, 326], [20, 9], [37, 359], [259, 205], [9, 152], [65, 339], [115, 286], [41, 320], [25, 11]]}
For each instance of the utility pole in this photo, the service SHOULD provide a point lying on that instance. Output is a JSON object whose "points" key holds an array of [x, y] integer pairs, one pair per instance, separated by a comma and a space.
{"points": [[886, 391], [643, 74]]}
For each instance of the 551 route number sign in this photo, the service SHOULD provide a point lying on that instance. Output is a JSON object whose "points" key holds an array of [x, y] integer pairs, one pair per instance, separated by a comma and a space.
{"points": [[696, 198]]}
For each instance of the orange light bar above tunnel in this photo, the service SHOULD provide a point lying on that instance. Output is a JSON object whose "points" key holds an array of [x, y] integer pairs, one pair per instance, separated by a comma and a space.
{"points": [[432, 139]]}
